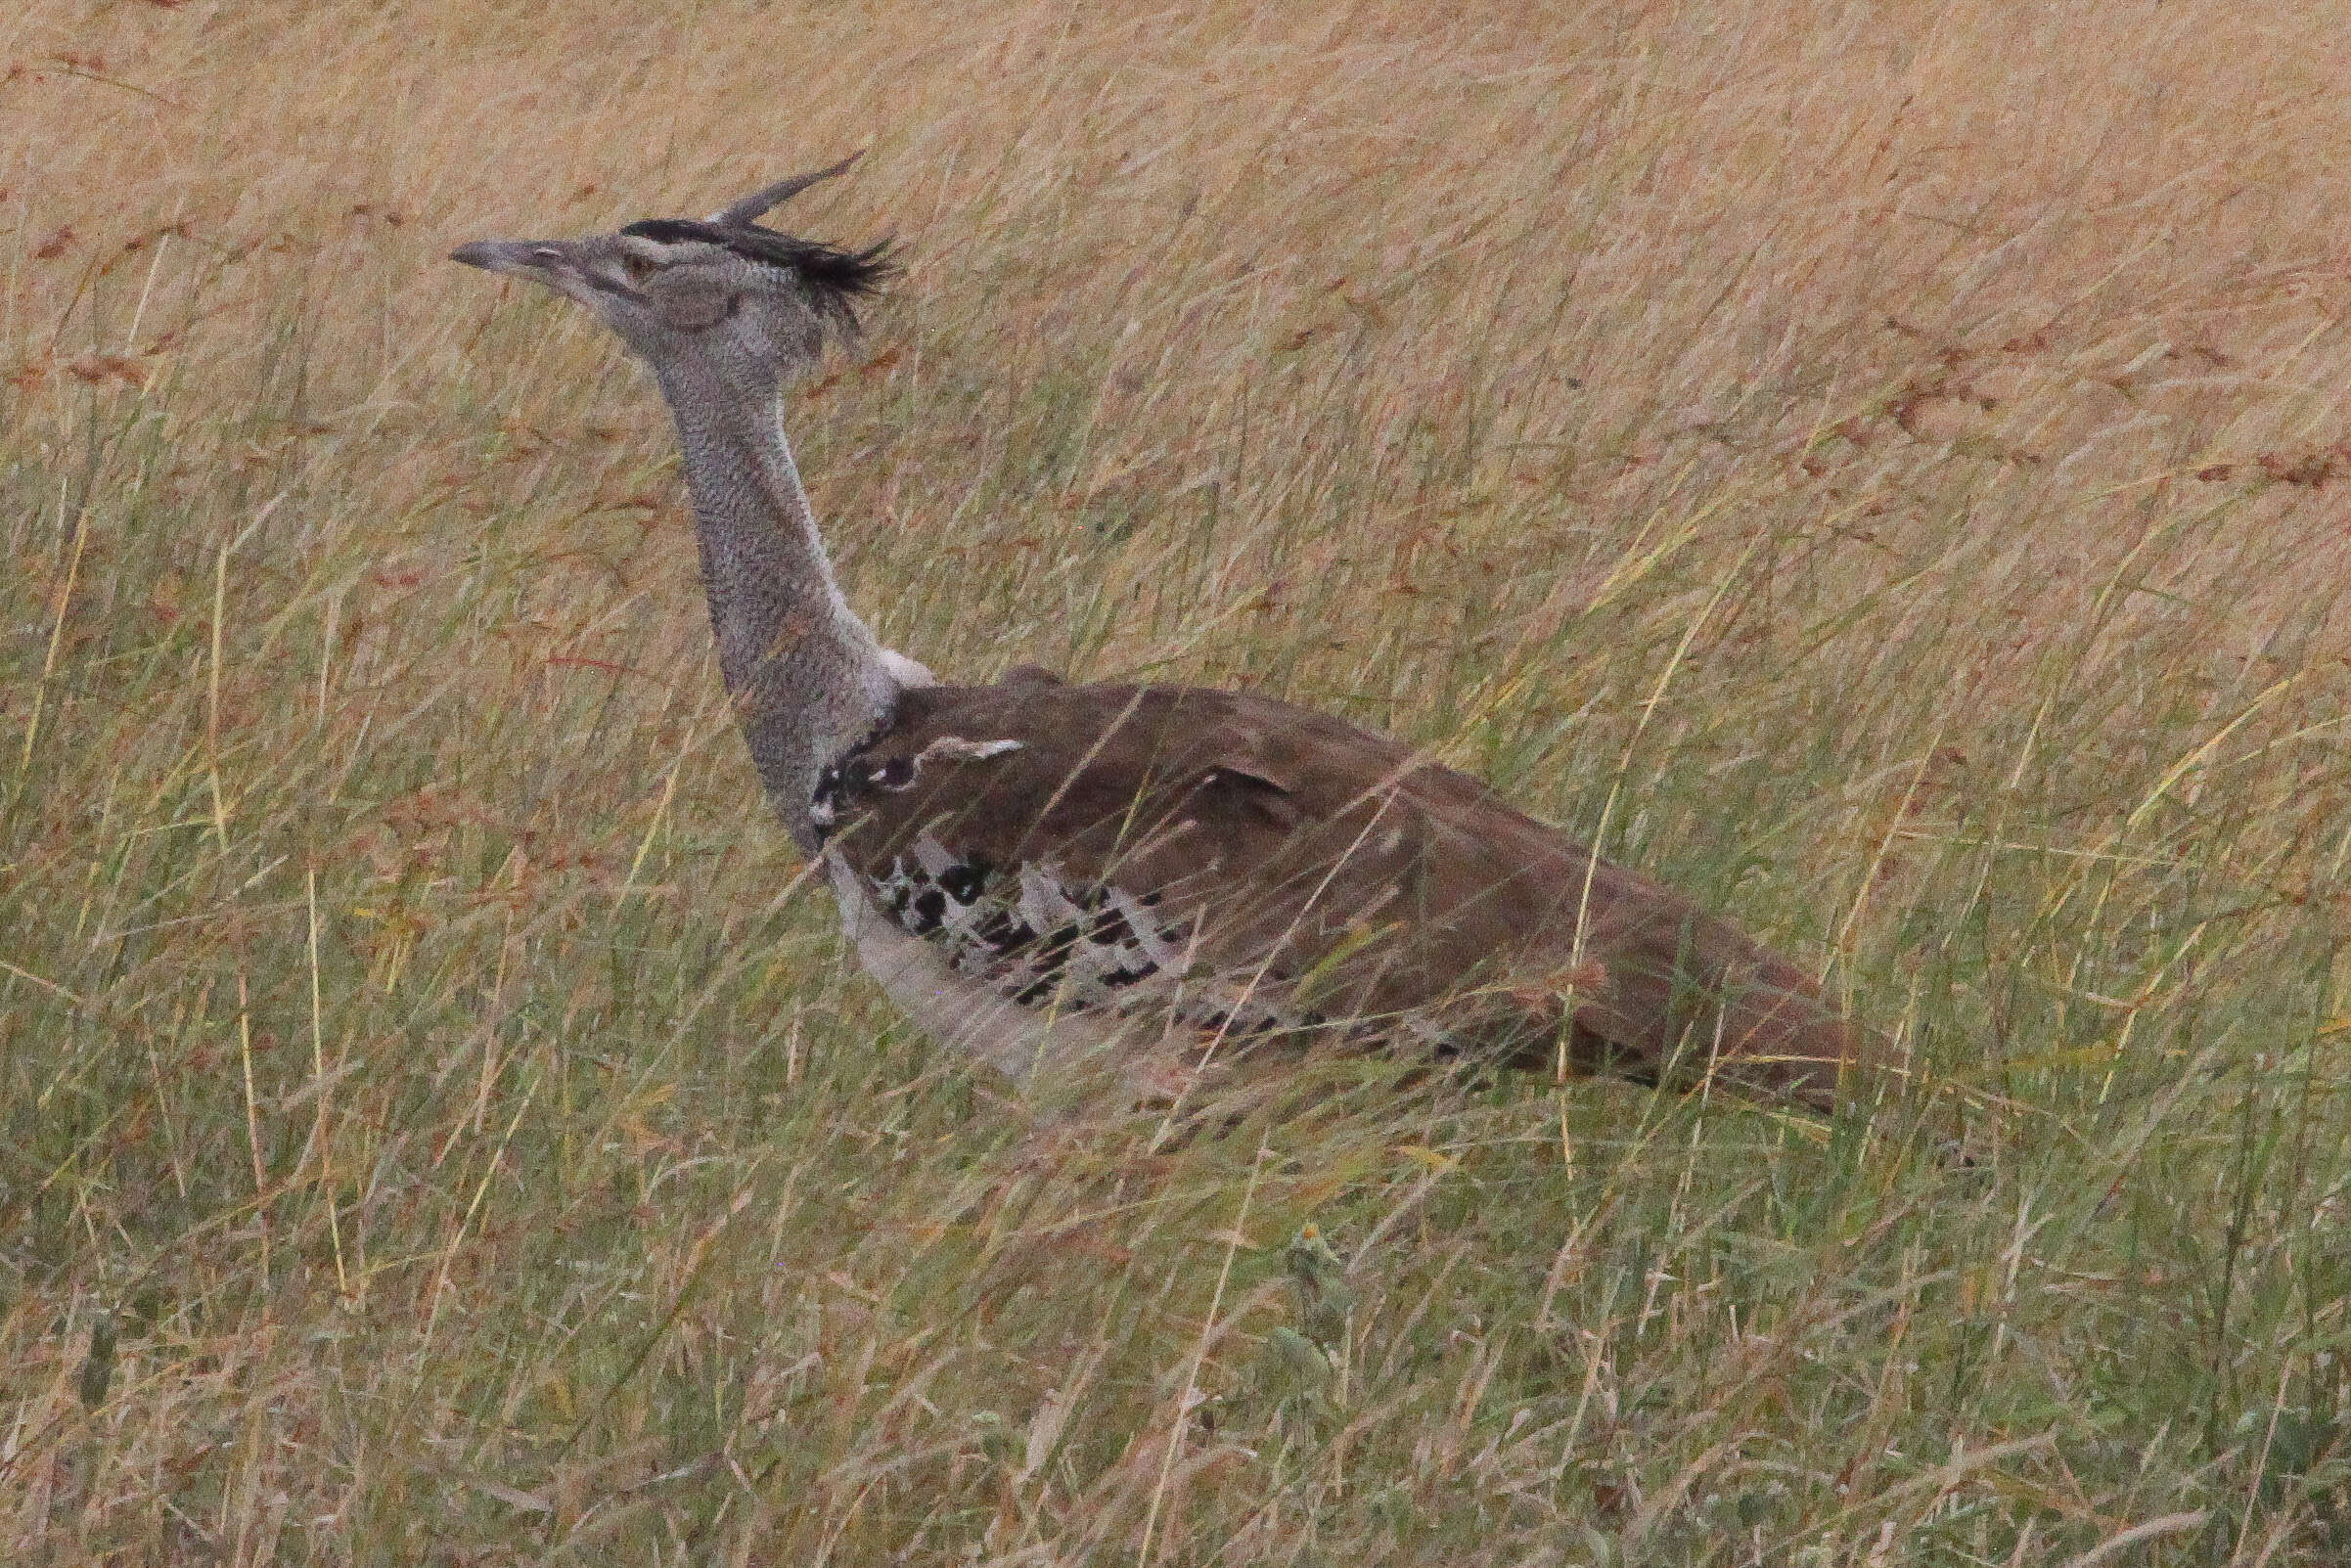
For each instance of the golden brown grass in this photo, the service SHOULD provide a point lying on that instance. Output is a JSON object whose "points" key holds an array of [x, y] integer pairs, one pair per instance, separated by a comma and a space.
{"points": [[1884, 471]]}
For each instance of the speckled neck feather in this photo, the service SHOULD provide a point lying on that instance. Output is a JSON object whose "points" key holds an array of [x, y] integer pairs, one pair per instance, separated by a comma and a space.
{"points": [[807, 676]]}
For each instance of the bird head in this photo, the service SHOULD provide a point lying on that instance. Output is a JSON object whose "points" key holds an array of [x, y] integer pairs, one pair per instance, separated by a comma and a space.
{"points": [[755, 305]]}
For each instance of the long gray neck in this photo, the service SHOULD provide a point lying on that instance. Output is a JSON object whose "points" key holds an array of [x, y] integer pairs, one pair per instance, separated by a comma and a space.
{"points": [[806, 675]]}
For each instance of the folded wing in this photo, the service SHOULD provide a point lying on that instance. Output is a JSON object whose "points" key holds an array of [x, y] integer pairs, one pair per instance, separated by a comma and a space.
{"points": [[1237, 865]]}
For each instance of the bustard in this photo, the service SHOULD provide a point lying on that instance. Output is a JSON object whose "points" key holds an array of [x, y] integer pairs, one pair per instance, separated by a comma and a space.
{"points": [[1037, 871]]}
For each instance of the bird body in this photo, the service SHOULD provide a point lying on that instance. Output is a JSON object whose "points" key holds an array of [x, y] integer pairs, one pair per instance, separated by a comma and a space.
{"points": [[1040, 872], [1125, 861]]}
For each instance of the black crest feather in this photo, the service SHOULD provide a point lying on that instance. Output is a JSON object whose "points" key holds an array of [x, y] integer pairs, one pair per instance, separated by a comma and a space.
{"points": [[835, 279]]}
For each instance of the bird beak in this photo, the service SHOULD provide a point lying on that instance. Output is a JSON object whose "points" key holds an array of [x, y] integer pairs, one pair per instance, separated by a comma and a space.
{"points": [[534, 259]]}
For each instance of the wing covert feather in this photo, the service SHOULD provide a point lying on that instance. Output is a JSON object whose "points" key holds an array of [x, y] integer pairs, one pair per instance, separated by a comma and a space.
{"points": [[1378, 884]]}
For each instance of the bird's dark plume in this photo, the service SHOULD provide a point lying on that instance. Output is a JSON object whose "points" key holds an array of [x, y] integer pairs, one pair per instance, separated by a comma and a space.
{"points": [[835, 279]]}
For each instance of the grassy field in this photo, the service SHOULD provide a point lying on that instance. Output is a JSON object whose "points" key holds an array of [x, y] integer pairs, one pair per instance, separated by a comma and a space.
{"points": [[1885, 469]]}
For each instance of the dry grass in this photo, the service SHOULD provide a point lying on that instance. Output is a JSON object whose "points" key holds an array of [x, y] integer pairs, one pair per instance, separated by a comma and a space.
{"points": [[1886, 474]]}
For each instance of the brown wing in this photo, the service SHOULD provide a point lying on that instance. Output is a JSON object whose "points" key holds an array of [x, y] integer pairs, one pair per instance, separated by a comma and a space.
{"points": [[1328, 873]]}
